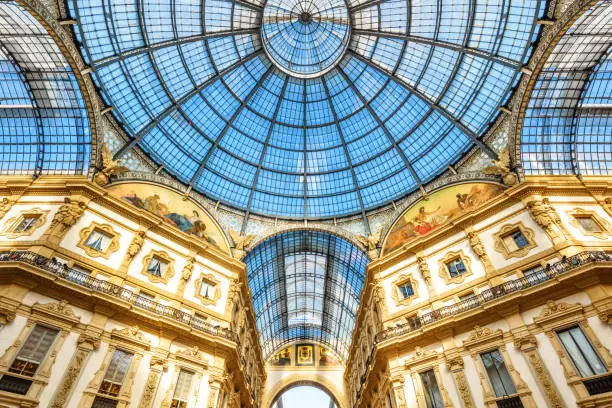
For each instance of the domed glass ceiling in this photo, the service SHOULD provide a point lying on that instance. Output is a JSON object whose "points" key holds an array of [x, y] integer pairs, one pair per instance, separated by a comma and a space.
{"points": [[265, 107]]}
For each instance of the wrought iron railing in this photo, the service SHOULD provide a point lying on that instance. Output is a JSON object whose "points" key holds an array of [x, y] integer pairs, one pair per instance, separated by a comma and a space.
{"points": [[496, 292], [599, 385], [509, 402], [97, 285]]}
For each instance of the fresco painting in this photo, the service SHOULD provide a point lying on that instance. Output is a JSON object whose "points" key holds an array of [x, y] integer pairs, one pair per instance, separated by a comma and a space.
{"points": [[173, 208], [427, 215]]}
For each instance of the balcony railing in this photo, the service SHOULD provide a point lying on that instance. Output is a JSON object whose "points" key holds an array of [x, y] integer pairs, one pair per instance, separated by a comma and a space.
{"points": [[599, 385], [97, 285], [496, 292], [509, 402]]}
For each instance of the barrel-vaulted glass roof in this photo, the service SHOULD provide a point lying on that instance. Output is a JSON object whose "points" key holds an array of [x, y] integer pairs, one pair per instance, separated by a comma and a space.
{"points": [[305, 285], [306, 108], [44, 126]]}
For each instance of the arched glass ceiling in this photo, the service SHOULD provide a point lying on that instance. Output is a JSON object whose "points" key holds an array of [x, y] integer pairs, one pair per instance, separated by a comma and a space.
{"points": [[44, 127], [306, 285], [418, 84], [568, 121]]}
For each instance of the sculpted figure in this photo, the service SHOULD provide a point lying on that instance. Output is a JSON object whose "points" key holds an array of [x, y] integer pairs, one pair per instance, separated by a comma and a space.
{"points": [[110, 167], [501, 168], [5, 206]]}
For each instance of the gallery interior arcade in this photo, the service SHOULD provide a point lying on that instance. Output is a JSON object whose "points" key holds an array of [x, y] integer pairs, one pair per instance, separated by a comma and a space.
{"points": [[305, 203]]}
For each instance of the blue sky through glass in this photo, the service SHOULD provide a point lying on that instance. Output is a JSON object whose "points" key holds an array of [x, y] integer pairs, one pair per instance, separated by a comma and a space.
{"points": [[192, 85], [305, 397]]}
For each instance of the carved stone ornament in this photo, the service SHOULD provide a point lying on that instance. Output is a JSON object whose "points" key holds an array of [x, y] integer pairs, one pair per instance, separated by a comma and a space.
{"points": [[110, 167], [480, 335], [131, 335], [552, 307], [105, 229], [57, 310], [188, 268], [68, 214], [371, 242], [6, 315], [526, 342], [241, 243], [5, 206], [420, 356], [194, 355], [135, 245], [504, 231], [455, 363]]}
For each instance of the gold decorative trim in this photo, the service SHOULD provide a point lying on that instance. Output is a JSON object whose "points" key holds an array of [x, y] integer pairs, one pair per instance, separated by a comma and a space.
{"points": [[504, 231], [105, 229], [12, 223], [163, 256], [451, 256], [603, 225], [395, 290], [216, 295]]}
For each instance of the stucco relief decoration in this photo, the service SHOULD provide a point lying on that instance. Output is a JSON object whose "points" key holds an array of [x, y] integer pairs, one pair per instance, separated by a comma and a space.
{"points": [[60, 308], [176, 210], [67, 215], [5, 206], [426, 216], [501, 168]]}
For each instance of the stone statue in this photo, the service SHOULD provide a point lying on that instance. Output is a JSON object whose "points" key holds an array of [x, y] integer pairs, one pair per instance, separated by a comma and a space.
{"points": [[501, 168], [67, 215], [547, 218], [135, 245], [241, 243], [424, 268], [110, 167], [188, 269], [5, 206], [371, 243]]}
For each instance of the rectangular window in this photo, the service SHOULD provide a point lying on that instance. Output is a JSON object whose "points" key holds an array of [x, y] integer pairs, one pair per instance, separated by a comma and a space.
{"points": [[433, 398], [498, 374], [98, 241], [157, 267], [581, 352], [115, 374], [588, 223], [456, 267], [406, 290], [207, 289], [27, 223], [28, 360], [515, 241], [34, 351], [181, 392]]}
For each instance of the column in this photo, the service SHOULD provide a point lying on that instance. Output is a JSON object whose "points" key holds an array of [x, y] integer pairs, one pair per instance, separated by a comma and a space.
{"points": [[455, 366], [214, 385], [398, 390], [85, 345], [528, 345], [157, 367]]}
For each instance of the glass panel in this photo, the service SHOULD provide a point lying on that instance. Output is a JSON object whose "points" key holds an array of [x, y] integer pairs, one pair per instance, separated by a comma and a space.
{"points": [[589, 224], [499, 376], [98, 241], [455, 267], [581, 352], [433, 398], [115, 374], [406, 290], [183, 386], [519, 239], [157, 267], [34, 351], [207, 289], [26, 223]]}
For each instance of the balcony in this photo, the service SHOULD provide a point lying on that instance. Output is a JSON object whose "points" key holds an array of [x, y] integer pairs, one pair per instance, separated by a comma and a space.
{"points": [[496, 292], [82, 279], [598, 385]]}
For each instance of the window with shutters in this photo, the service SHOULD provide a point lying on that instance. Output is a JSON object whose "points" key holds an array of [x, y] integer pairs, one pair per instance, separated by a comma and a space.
{"points": [[182, 389], [29, 359], [498, 374], [115, 373], [27, 223], [456, 267], [98, 241]]}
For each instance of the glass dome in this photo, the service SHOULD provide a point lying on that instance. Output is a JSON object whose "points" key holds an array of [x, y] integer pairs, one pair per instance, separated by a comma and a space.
{"points": [[305, 109]]}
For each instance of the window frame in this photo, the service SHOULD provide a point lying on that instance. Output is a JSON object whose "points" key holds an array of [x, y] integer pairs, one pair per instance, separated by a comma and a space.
{"points": [[104, 229], [396, 291], [575, 213], [444, 271], [161, 256], [508, 230], [8, 231], [211, 280]]}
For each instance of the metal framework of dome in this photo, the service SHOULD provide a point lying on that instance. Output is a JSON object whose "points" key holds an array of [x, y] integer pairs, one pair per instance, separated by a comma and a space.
{"points": [[44, 126], [312, 109]]}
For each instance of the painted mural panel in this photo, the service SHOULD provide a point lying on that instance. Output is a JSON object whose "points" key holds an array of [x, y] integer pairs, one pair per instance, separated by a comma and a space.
{"points": [[426, 216], [175, 209]]}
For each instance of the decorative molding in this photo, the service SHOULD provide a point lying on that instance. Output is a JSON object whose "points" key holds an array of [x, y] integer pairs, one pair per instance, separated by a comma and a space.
{"points": [[504, 231], [443, 269], [547, 218], [12, 223], [555, 312], [217, 289], [67, 215], [603, 225], [163, 256], [479, 249], [56, 311], [131, 335], [395, 290], [105, 229], [133, 249], [193, 355], [480, 336], [420, 357], [5, 206]]}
